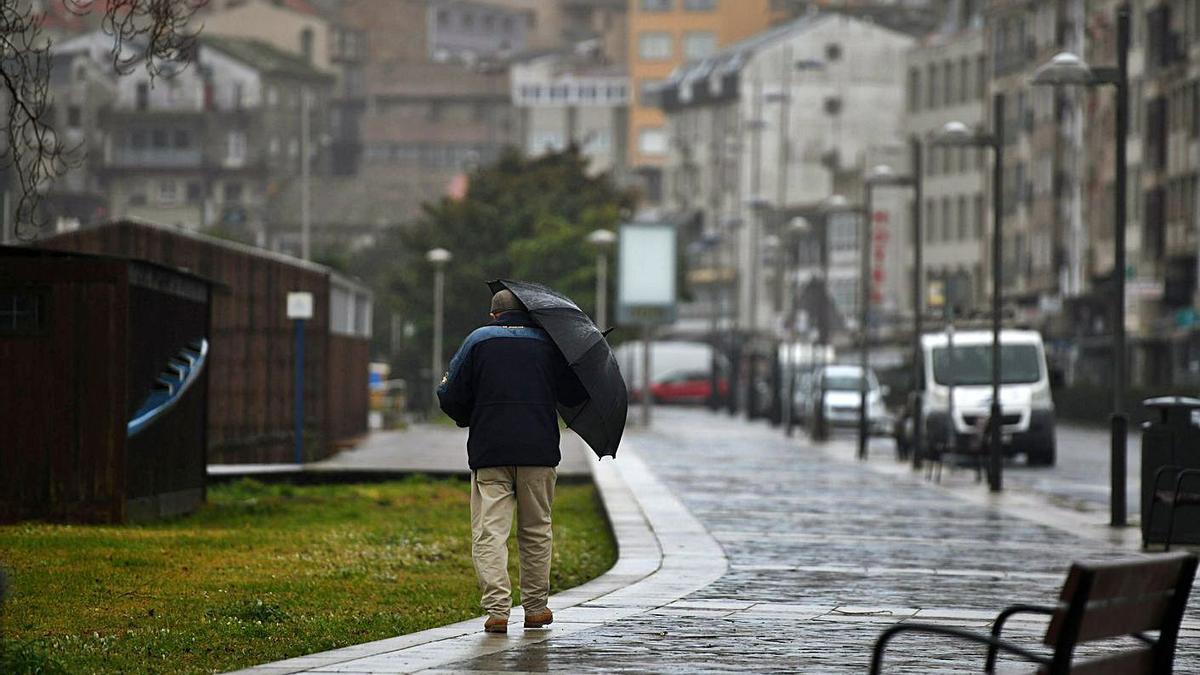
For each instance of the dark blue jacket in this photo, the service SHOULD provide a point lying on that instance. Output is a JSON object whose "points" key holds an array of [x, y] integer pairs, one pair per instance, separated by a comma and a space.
{"points": [[504, 383]]}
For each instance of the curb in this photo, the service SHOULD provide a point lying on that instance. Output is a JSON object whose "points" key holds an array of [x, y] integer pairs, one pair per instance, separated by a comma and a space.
{"points": [[664, 554]]}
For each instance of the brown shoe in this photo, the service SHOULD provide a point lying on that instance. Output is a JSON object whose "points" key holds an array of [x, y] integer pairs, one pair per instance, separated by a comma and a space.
{"points": [[539, 619], [496, 624]]}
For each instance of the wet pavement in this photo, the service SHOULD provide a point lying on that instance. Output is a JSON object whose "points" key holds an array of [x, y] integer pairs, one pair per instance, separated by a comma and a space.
{"points": [[823, 554], [745, 551]]}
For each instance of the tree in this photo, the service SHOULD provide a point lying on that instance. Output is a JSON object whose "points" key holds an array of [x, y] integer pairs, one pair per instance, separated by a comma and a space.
{"points": [[521, 218], [151, 34]]}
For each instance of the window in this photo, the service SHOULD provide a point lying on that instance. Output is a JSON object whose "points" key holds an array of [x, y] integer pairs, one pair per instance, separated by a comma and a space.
{"points": [[23, 311], [698, 44], [195, 192], [468, 20], [233, 192], [929, 236], [168, 192], [964, 76], [979, 216], [963, 224], [183, 139], [652, 141], [947, 220], [306, 44], [699, 5], [443, 18], [914, 89], [655, 46], [143, 95], [656, 5], [235, 146], [74, 117], [546, 141], [137, 139], [158, 139]]}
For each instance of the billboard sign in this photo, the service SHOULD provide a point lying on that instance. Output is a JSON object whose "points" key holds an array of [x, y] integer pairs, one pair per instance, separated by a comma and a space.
{"points": [[646, 292]]}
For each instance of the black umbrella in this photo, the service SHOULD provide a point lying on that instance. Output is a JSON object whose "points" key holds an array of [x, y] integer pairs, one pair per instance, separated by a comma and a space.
{"points": [[600, 420]]}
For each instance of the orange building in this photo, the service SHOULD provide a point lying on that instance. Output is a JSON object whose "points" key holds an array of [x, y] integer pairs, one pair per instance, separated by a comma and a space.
{"points": [[664, 34]]}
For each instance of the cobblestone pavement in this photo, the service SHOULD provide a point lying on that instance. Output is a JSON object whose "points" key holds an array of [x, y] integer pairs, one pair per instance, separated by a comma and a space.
{"points": [[823, 554]]}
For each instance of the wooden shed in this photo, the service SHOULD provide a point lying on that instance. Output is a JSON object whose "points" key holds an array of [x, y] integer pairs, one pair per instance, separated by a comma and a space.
{"points": [[103, 387], [251, 380]]}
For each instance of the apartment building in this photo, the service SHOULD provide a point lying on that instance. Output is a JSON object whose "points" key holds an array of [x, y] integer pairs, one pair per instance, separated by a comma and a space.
{"points": [[664, 34], [947, 80], [213, 146], [320, 38], [565, 98], [764, 132]]}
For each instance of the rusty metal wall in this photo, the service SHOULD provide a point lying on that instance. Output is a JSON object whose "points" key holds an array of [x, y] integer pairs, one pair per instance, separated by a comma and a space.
{"points": [[348, 386], [251, 367]]}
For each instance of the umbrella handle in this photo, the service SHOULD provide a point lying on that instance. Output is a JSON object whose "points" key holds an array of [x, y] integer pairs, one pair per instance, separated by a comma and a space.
{"points": [[608, 330]]}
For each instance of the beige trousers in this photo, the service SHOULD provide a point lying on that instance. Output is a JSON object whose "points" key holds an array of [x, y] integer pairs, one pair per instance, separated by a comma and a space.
{"points": [[494, 492]]}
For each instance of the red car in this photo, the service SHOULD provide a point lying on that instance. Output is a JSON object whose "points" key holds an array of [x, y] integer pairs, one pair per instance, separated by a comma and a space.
{"points": [[684, 387]]}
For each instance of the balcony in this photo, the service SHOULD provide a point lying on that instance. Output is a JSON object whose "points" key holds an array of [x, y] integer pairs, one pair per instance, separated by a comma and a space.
{"points": [[156, 158]]}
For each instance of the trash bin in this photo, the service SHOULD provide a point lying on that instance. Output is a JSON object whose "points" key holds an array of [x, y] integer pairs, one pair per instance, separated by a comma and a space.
{"points": [[1171, 439]]}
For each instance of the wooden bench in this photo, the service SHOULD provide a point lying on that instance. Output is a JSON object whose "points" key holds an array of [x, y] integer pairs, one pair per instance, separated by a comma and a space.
{"points": [[1172, 499], [1099, 601]]}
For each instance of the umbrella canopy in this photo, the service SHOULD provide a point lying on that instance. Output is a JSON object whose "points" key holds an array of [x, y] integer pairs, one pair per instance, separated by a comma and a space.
{"points": [[600, 420]]}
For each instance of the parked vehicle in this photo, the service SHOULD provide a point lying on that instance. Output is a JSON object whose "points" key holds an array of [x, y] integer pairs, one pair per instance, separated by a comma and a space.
{"points": [[963, 365], [679, 371], [689, 386], [838, 389]]}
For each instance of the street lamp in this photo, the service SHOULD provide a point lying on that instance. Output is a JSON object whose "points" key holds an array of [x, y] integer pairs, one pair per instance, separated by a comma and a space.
{"points": [[439, 257], [797, 228], [957, 134], [1069, 69], [602, 240]]}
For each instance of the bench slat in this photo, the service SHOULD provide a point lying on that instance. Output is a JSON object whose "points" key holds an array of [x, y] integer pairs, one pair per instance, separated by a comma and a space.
{"points": [[1124, 618], [1138, 660]]}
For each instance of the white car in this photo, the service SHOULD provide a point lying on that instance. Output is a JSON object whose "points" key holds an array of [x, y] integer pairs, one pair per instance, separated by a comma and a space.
{"points": [[962, 364], [839, 390]]}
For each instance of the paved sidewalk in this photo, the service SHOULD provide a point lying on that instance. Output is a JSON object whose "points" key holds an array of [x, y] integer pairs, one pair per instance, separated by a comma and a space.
{"points": [[823, 552], [432, 449]]}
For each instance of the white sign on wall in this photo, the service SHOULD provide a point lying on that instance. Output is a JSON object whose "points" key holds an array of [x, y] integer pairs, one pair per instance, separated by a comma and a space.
{"points": [[299, 305], [647, 273]]}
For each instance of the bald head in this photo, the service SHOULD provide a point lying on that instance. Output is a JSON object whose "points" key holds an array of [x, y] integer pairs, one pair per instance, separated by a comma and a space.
{"points": [[505, 301]]}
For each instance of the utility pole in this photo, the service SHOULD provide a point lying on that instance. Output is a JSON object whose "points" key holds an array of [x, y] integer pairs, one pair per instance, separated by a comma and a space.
{"points": [[305, 177]]}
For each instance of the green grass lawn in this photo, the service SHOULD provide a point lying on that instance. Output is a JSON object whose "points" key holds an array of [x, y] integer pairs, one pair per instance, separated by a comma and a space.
{"points": [[263, 572]]}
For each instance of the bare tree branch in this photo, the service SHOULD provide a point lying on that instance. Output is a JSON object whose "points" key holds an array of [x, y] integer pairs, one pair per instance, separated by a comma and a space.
{"points": [[155, 34]]}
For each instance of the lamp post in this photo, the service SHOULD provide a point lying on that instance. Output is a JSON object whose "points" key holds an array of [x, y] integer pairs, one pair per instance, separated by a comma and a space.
{"points": [[439, 257], [711, 244], [798, 227], [1069, 69], [916, 170], [957, 134], [833, 205], [603, 241]]}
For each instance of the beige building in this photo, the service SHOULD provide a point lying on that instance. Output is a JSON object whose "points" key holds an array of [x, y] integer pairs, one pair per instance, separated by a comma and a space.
{"points": [[947, 81]]}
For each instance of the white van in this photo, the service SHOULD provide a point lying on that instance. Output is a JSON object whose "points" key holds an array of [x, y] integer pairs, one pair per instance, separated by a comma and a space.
{"points": [[1027, 408]]}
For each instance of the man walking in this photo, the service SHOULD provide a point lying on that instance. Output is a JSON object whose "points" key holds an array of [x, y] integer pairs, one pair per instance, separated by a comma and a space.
{"points": [[504, 383]]}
